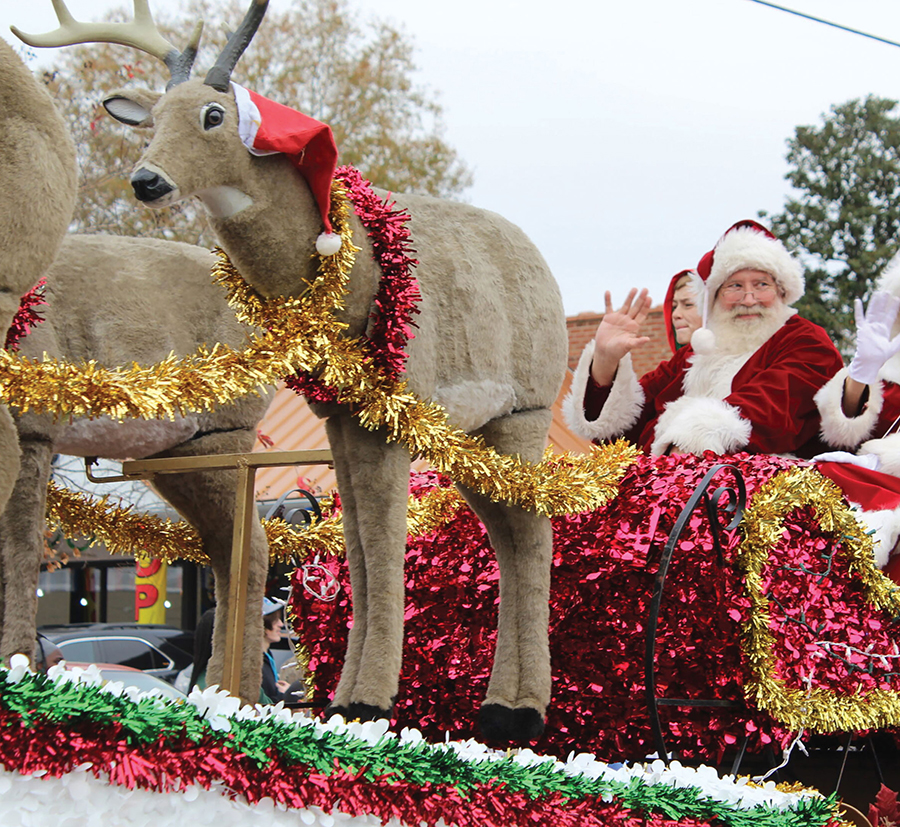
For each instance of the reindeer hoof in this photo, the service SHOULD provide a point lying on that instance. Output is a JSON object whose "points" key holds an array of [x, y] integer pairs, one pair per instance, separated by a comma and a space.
{"points": [[336, 709], [366, 712], [517, 726]]}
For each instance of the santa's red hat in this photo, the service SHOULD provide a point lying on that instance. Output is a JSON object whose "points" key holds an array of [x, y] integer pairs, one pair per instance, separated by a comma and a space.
{"points": [[746, 245], [267, 128]]}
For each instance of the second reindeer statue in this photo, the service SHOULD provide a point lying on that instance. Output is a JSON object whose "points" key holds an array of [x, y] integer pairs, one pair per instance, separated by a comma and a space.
{"points": [[490, 346]]}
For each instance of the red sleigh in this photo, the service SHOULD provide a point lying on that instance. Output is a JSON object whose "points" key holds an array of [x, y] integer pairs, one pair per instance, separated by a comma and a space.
{"points": [[670, 629]]}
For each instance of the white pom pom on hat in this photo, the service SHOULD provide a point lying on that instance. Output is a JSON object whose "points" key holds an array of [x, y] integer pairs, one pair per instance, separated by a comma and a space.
{"points": [[746, 245], [327, 244], [703, 340]]}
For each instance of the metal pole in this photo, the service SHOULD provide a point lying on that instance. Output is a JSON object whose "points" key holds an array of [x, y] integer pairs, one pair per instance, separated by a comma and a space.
{"points": [[244, 510]]}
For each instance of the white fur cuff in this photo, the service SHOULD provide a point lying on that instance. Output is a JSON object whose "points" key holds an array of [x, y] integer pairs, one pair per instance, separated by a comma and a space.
{"points": [[887, 449], [838, 430], [623, 406], [697, 424]]}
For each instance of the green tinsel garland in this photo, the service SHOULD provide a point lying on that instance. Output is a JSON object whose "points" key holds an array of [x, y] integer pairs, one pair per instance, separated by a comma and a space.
{"points": [[36, 699]]}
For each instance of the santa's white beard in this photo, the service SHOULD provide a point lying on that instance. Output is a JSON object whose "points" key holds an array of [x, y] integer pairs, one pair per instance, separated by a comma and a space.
{"points": [[735, 333]]}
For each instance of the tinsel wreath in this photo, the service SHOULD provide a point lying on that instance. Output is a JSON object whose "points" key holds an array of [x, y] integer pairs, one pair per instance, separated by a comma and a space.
{"points": [[294, 770], [809, 605]]}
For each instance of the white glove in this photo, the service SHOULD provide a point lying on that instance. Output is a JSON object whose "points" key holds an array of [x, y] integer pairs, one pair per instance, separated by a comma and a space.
{"points": [[874, 345]]}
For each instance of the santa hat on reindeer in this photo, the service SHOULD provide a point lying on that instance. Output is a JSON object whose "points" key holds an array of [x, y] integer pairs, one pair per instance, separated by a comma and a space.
{"points": [[267, 128], [746, 245]]}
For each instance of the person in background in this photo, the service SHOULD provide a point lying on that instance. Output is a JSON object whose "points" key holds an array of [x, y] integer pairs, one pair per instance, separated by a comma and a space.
{"points": [[46, 653], [274, 688]]}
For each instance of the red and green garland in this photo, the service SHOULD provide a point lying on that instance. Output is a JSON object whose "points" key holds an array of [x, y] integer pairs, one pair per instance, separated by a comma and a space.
{"points": [[56, 727]]}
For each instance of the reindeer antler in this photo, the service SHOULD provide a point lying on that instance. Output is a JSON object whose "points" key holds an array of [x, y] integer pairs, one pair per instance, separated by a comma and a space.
{"points": [[219, 76], [141, 33]]}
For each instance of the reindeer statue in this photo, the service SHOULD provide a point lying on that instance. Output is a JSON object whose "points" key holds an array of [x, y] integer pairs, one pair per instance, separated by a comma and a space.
{"points": [[38, 183], [121, 300], [490, 346]]}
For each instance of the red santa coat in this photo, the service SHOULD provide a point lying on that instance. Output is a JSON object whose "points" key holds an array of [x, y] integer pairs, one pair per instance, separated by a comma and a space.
{"points": [[762, 402]]}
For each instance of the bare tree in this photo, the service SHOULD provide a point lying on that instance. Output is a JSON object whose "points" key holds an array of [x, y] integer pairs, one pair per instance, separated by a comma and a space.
{"points": [[315, 55]]}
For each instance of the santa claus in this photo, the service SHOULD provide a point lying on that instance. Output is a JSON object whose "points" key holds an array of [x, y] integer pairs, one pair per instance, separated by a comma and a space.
{"points": [[746, 383]]}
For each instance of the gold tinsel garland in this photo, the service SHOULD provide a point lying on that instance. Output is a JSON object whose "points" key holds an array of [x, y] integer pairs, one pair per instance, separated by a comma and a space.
{"points": [[305, 334], [816, 709], [124, 531]]}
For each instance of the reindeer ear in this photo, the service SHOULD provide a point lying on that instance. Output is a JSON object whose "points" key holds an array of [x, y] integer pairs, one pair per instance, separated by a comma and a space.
{"points": [[132, 107]]}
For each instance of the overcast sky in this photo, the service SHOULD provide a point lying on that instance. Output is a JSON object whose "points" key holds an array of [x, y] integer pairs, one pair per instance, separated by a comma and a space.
{"points": [[623, 137]]}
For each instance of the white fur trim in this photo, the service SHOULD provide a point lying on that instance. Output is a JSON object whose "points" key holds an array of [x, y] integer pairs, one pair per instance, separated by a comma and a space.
{"points": [[884, 527], [887, 449], [889, 280], [696, 425], [748, 249], [890, 370], [839, 430], [711, 375], [623, 406]]}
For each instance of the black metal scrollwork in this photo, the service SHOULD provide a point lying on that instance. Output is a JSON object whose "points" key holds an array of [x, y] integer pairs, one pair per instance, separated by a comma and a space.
{"points": [[724, 509]]}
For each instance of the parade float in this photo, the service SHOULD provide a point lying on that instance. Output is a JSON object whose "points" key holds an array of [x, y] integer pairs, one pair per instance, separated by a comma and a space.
{"points": [[778, 627]]}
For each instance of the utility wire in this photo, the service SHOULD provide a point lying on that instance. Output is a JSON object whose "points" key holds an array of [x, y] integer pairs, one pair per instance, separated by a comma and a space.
{"points": [[826, 22]]}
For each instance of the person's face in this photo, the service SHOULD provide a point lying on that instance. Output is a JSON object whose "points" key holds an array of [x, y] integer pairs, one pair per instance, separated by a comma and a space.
{"points": [[273, 634], [685, 314], [747, 294]]}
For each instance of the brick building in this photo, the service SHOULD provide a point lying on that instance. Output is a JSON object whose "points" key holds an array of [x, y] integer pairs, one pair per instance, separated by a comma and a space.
{"points": [[583, 326]]}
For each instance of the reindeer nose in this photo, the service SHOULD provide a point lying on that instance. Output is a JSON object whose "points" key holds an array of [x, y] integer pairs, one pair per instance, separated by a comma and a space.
{"points": [[149, 186]]}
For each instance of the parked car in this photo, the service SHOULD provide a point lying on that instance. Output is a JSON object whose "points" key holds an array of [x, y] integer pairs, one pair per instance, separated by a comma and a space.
{"points": [[158, 650], [142, 681]]}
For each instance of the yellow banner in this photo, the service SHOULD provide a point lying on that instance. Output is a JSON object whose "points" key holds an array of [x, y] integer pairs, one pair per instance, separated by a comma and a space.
{"points": [[150, 590]]}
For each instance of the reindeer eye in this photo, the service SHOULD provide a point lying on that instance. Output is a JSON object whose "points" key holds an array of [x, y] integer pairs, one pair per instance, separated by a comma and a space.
{"points": [[212, 116]]}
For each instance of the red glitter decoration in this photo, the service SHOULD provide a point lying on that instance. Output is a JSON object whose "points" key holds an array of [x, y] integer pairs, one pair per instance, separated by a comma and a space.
{"points": [[26, 316], [397, 299], [604, 566]]}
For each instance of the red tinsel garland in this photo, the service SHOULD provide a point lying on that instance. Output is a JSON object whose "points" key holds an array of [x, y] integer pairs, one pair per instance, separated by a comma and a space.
{"points": [[169, 764], [398, 293], [26, 316], [604, 566]]}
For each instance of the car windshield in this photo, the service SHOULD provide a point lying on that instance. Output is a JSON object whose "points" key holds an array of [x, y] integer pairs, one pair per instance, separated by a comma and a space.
{"points": [[142, 681]]}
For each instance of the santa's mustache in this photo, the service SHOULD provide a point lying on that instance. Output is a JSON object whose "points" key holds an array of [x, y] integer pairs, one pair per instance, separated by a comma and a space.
{"points": [[735, 312]]}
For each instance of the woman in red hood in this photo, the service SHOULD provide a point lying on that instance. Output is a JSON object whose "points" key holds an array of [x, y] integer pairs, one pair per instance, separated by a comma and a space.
{"points": [[680, 310]]}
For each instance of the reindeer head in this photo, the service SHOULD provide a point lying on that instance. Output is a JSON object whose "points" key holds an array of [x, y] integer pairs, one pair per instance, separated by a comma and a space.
{"points": [[194, 114]]}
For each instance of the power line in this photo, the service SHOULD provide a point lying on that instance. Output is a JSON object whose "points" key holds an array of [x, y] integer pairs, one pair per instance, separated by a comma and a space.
{"points": [[827, 22]]}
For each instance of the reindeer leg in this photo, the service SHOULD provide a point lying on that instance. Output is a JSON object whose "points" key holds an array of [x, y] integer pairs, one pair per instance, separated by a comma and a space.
{"points": [[9, 434], [22, 538], [519, 689], [207, 500], [334, 427], [373, 478]]}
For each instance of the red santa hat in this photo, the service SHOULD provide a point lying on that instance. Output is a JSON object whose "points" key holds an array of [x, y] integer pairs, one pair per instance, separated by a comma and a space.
{"points": [[267, 128], [746, 245]]}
